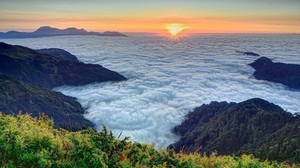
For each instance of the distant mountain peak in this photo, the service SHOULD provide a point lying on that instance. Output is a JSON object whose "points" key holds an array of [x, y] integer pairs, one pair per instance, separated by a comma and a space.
{"points": [[12, 31], [73, 28], [112, 33], [45, 28]]}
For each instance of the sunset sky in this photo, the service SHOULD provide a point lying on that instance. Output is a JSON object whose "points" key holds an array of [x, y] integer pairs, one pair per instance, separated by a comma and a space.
{"points": [[198, 16]]}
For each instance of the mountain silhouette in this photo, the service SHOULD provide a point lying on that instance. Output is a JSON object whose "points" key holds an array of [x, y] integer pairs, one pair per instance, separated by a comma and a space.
{"points": [[47, 31]]}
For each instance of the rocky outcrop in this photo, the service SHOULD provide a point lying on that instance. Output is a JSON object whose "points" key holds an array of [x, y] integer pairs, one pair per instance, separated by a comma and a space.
{"points": [[287, 74], [253, 126], [45, 70], [18, 97]]}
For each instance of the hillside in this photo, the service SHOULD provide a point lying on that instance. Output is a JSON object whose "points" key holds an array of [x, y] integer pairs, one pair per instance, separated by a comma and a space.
{"points": [[17, 96], [282, 145], [59, 53], [253, 126], [49, 71], [27, 142], [26, 77]]}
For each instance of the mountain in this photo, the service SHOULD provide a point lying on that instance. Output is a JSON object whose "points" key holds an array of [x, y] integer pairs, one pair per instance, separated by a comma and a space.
{"points": [[112, 33], [49, 71], [55, 31], [287, 74], [26, 76], [18, 96], [59, 53], [253, 126], [47, 31]]}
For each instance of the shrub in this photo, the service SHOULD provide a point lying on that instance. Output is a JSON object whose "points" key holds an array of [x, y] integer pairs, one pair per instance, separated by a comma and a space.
{"points": [[33, 142]]}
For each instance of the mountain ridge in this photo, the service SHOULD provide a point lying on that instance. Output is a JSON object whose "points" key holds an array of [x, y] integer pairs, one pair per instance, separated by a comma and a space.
{"points": [[48, 71], [27, 75], [286, 74], [47, 31]]}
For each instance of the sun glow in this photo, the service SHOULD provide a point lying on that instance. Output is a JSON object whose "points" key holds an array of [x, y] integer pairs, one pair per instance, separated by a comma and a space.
{"points": [[174, 29]]}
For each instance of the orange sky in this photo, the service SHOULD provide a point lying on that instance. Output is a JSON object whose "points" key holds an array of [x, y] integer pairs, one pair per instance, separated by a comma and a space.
{"points": [[199, 16]]}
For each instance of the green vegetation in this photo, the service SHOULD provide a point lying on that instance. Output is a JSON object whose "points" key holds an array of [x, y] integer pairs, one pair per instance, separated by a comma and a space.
{"points": [[18, 96], [254, 126], [31, 142]]}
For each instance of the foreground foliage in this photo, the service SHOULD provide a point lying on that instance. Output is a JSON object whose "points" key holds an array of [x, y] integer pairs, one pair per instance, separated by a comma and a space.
{"points": [[30, 142]]}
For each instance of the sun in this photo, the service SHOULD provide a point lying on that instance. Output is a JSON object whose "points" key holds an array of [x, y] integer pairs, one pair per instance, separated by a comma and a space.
{"points": [[175, 28]]}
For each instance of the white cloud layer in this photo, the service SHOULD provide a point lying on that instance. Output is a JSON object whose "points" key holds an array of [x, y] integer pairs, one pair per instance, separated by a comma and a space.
{"points": [[168, 79]]}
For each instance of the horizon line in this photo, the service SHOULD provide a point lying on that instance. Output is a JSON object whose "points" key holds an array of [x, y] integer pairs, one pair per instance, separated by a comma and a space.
{"points": [[157, 32]]}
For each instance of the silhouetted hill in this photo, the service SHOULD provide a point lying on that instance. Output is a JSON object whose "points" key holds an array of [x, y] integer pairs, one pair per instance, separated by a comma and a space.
{"points": [[287, 74], [253, 126], [47, 31], [69, 31], [17, 96], [113, 33], [48, 71]]}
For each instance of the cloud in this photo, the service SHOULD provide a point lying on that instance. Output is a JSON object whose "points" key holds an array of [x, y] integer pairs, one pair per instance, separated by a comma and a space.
{"points": [[169, 79]]}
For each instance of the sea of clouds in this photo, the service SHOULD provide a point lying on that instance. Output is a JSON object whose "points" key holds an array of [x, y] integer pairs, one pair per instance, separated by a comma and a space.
{"points": [[167, 79]]}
